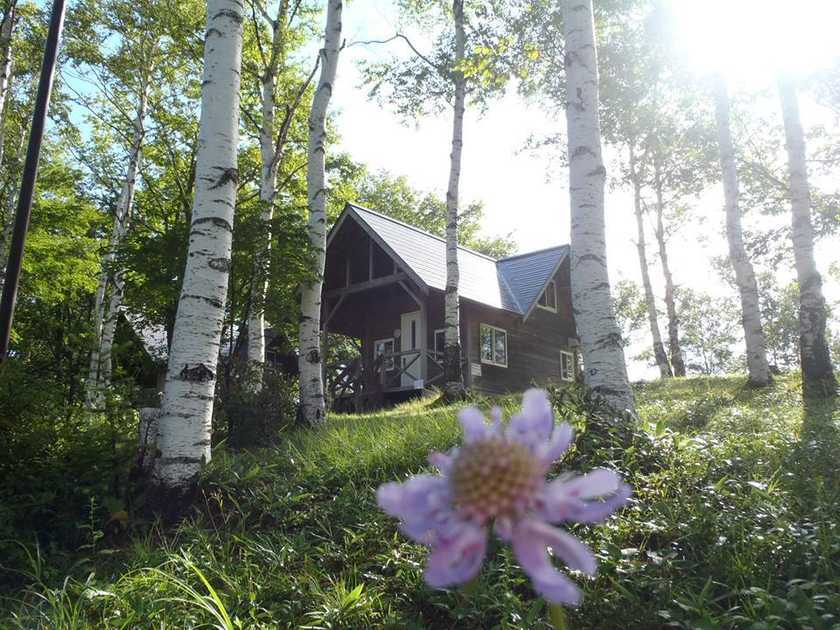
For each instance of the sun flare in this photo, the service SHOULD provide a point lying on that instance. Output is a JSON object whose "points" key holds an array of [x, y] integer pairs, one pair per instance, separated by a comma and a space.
{"points": [[750, 41]]}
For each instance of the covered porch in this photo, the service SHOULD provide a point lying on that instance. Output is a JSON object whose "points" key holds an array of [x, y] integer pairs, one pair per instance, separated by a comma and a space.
{"points": [[395, 319]]}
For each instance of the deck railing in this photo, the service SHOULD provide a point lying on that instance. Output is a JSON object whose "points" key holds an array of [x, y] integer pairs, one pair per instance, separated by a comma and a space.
{"points": [[365, 383]]}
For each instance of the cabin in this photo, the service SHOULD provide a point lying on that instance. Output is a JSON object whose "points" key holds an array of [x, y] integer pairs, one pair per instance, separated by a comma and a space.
{"points": [[384, 285]]}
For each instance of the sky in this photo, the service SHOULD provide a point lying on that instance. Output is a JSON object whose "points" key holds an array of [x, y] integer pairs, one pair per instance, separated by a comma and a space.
{"points": [[523, 195]]}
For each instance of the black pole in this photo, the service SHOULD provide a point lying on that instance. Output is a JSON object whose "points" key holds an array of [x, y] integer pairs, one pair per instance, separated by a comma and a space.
{"points": [[30, 172]]}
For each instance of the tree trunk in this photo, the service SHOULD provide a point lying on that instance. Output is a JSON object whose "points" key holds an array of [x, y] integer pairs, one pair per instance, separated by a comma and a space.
{"points": [[269, 154], [757, 367], [603, 352], [452, 335], [312, 403], [659, 353], [105, 321], [186, 416], [817, 373], [677, 362], [6, 30]]}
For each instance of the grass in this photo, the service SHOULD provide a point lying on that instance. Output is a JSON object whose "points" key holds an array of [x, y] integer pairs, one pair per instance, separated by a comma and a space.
{"points": [[735, 524]]}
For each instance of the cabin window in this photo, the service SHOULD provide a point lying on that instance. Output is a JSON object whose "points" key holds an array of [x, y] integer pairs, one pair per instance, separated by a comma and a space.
{"points": [[384, 346], [567, 366], [493, 344], [440, 342], [548, 299]]}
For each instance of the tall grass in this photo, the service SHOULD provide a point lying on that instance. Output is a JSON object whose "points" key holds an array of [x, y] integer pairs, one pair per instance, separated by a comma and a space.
{"points": [[734, 524]]}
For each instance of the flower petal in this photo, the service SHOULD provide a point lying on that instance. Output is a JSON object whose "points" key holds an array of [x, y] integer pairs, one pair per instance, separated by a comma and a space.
{"points": [[559, 442], [597, 483], [597, 511], [533, 426], [458, 559], [422, 503], [569, 549], [561, 500], [475, 429], [442, 461], [531, 553]]}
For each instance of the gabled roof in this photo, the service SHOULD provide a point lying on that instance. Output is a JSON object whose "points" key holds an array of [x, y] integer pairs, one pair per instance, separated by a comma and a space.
{"points": [[512, 284]]}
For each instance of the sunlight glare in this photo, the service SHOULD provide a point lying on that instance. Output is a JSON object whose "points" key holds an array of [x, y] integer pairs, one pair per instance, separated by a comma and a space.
{"points": [[751, 41]]}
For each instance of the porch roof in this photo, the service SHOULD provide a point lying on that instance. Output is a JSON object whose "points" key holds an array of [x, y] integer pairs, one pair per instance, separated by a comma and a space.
{"points": [[512, 284]]}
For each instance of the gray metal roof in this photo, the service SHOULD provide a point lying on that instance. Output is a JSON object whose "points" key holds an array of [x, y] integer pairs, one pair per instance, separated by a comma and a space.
{"points": [[512, 284], [527, 274]]}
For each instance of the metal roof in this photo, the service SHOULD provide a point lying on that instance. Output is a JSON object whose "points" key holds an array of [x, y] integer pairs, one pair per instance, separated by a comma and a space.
{"points": [[512, 284]]}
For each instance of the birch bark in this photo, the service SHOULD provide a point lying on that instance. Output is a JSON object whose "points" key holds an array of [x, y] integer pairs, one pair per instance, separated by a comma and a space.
{"points": [[757, 367], [6, 31], [270, 157], [105, 321], [186, 415], [817, 373], [659, 353], [603, 354], [452, 334], [677, 362], [312, 402]]}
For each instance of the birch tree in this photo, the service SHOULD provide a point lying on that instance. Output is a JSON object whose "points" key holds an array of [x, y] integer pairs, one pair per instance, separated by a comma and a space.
{"points": [[186, 414], [105, 316], [452, 333], [312, 402], [273, 138], [817, 372], [6, 31], [659, 354], [758, 368], [7, 26], [457, 66], [603, 352]]}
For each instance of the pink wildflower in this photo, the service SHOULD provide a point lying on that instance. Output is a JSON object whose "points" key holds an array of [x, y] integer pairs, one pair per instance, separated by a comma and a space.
{"points": [[498, 478]]}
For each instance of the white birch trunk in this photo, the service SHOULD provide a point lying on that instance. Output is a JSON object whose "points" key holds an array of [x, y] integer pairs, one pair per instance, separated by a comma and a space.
{"points": [[452, 335], [185, 422], [269, 155], [312, 402], [603, 353], [817, 373], [659, 353], [757, 367], [6, 30], [677, 362], [105, 321]]}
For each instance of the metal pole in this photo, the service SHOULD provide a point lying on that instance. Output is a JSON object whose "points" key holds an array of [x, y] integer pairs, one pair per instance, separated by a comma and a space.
{"points": [[30, 172]]}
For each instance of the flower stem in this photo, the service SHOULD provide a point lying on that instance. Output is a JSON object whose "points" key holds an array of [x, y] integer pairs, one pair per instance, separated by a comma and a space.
{"points": [[558, 618]]}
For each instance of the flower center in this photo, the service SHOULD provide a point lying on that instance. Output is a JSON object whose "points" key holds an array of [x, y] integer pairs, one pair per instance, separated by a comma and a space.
{"points": [[494, 478]]}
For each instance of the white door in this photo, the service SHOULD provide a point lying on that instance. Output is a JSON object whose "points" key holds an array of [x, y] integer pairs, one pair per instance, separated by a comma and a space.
{"points": [[411, 335]]}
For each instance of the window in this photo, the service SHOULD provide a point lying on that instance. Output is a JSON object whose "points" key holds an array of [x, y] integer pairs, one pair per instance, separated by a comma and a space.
{"points": [[384, 346], [548, 299], [567, 366], [440, 342], [493, 345]]}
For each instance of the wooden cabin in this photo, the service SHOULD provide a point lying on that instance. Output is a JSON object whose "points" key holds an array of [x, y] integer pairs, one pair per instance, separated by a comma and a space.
{"points": [[384, 287]]}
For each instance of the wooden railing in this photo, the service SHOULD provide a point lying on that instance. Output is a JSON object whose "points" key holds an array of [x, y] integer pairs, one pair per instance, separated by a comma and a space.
{"points": [[365, 383]]}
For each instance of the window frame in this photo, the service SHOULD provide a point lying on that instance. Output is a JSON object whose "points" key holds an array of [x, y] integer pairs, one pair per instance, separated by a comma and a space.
{"points": [[571, 359], [389, 361], [494, 330], [546, 306], [434, 341]]}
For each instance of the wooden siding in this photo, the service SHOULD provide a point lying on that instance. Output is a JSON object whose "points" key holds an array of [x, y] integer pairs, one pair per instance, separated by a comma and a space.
{"points": [[534, 345]]}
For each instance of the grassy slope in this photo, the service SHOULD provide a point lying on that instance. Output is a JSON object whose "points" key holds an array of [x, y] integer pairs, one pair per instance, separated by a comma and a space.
{"points": [[735, 521]]}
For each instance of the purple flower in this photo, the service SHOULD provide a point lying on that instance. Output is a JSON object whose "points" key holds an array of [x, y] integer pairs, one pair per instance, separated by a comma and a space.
{"points": [[498, 478]]}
